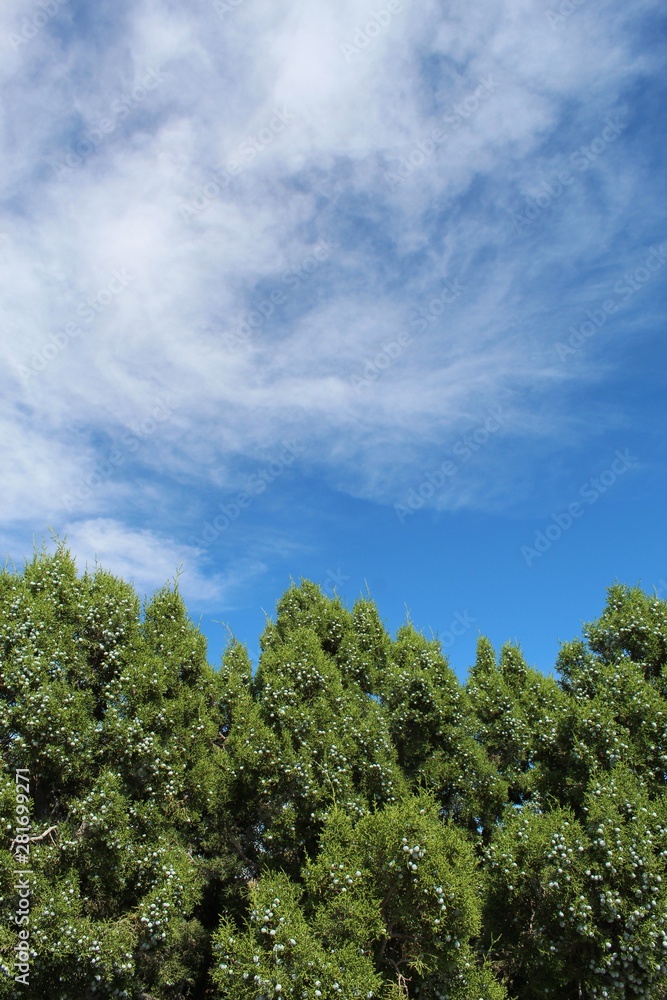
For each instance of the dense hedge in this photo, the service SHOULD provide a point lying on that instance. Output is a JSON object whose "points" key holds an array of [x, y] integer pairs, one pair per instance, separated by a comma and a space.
{"points": [[348, 821]]}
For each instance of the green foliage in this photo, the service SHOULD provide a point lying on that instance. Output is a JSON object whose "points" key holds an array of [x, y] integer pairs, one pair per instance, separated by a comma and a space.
{"points": [[350, 821], [278, 953], [406, 888], [633, 625], [113, 716], [579, 907]]}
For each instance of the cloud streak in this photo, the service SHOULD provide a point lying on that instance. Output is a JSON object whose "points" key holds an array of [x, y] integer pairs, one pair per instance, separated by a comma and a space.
{"points": [[210, 154]]}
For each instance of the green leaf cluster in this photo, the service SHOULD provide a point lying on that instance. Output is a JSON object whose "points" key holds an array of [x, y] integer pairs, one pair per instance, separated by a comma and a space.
{"points": [[346, 820]]}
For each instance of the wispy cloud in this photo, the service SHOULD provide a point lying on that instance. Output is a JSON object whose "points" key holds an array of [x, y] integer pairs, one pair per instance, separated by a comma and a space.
{"points": [[149, 559], [210, 154]]}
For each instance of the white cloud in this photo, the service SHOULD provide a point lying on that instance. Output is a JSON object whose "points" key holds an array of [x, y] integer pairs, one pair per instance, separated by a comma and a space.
{"points": [[120, 208], [150, 560]]}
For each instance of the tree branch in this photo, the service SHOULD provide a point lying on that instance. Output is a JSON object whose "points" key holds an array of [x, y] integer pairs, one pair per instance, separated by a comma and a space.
{"points": [[34, 840]]}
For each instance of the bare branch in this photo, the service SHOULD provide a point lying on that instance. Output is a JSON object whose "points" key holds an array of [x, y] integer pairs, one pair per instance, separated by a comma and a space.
{"points": [[34, 840]]}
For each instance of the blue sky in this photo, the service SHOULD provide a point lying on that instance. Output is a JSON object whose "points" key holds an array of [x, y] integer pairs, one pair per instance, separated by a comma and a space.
{"points": [[368, 294]]}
